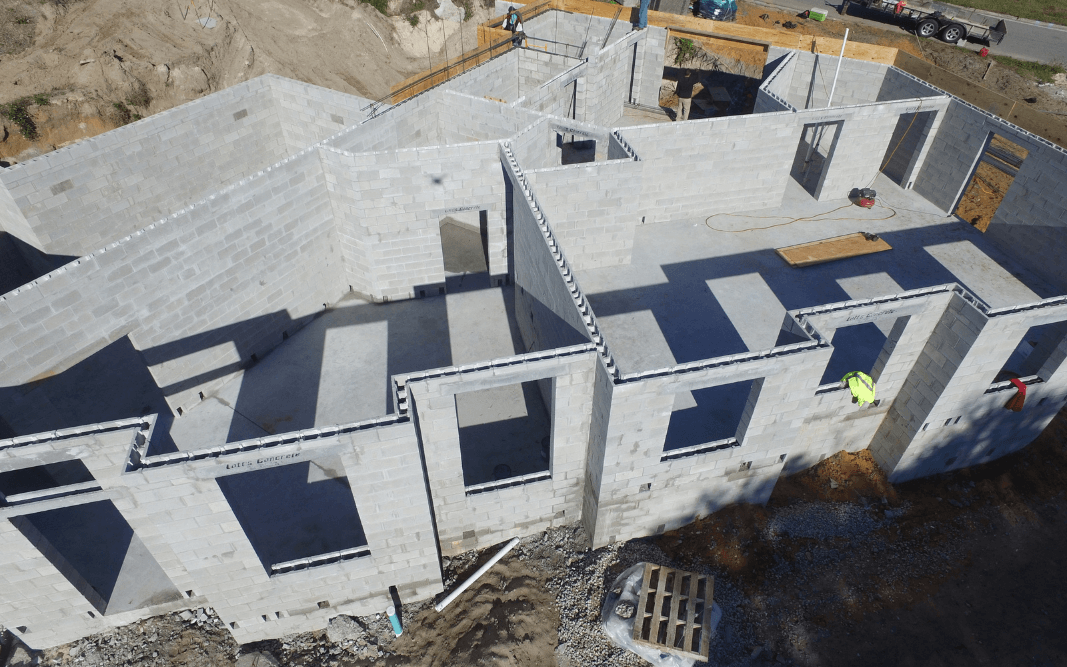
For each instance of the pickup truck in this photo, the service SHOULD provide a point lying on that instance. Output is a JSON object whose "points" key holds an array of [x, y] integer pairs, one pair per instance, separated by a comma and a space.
{"points": [[934, 18]]}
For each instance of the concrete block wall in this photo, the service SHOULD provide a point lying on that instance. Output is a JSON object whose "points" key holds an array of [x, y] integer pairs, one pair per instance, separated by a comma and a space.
{"points": [[40, 604], [468, 521], [968, 423], [608, 77], [949, 343], [545, 307], [861, 144], [537, 67], [648, 69], [465, 118], [809, 88], [739, 167], [771, 95], [384, 471], [834, 423], [310, 113], [558, 97], [497, 78], [642, 494], [411, 124], [198, 293], [46, 602], [778, 71], [535, 147], [899, 85], [593, 208], [1029, 224], [397, 201], [12, 220], [79, 198]]}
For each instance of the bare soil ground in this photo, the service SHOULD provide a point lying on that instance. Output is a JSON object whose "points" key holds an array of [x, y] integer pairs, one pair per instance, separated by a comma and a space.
{"points": [[150, 55], [987, 188]]}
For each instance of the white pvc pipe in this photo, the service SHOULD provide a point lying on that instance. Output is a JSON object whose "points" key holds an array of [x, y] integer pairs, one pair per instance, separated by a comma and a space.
{"points": [[839, 59], [474, 577]]}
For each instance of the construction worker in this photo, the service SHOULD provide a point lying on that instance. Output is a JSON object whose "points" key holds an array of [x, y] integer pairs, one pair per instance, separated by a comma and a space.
{"points": [[861, 385], [513, 22], [642, 15]]}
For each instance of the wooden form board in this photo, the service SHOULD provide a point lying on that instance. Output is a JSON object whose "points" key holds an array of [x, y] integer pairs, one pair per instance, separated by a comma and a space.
{"points": [[425, 80], [674, 611], [828, 250], [1053, 128], [491, 40]]}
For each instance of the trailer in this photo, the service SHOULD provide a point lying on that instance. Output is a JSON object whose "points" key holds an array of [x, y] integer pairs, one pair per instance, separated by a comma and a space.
{"points": [[933, 18]]}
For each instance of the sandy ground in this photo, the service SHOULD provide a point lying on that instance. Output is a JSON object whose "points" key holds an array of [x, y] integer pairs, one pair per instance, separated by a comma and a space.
{"points": [[151, 55]]}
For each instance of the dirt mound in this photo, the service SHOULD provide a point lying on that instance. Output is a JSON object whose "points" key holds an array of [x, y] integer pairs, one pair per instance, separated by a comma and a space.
{"points": [[118, 60]]}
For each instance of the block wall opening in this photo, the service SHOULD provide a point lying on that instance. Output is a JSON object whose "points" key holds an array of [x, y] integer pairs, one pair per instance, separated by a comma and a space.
{"points": [[505, 432], [297, 511], [708, 417], [1036, 353], [994, 172]]}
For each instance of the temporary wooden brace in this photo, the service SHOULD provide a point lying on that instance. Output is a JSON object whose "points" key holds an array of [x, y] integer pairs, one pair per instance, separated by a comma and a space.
{"points": [[828, 250], [674, 611], [490, 33]]}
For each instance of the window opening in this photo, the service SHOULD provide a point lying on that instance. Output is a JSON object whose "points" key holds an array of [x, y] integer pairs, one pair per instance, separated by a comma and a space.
{"points": [[1035, 351], [505, 432], [708, 415], [297, 511], [465, 250], [814, 153]]}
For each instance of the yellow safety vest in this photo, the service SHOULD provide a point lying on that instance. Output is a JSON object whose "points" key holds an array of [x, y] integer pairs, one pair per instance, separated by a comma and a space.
{"points": [[861, 385]]}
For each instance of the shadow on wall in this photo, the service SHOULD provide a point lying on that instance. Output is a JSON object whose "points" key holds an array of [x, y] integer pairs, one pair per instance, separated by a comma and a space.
{"points": [[21, 263], [94, 547], [295, 511], [111, 384]]}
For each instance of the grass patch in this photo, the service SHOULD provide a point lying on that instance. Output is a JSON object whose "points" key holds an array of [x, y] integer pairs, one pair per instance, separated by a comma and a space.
{"points": [[413, 20], [381, 5], [41, 99], [125, 114], [1049, 11], [686, 50], [18, 112], [1038, 71]]}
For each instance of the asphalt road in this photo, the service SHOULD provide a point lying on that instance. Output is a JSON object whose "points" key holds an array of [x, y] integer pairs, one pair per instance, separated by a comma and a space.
{"points": [[1023, 40]]}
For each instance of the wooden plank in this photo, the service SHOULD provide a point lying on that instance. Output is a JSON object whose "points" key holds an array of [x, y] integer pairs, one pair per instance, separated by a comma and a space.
{"points": [[829, 250], [690, 613], [672, 615]]}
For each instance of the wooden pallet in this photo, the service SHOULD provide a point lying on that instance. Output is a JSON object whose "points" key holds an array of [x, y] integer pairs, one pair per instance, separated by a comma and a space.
{"points": [[828, 250], [674, 613]]}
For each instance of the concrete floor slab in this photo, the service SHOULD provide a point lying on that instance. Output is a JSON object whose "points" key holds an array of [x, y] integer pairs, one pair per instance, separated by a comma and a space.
{"points": [[694, 282], [336, 370]]}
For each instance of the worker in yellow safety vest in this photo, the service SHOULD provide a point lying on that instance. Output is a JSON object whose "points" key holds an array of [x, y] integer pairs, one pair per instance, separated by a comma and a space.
{"points": [[861, 385]]}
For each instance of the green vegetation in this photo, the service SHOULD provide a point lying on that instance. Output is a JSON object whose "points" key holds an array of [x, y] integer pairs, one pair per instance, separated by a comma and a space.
{"points": [[126, 116], [139, 97], [1050, 11], [686, 50], [413, 20], [1038, 71], [41, 99], [22, 21], [381, 5], [18, 112]]}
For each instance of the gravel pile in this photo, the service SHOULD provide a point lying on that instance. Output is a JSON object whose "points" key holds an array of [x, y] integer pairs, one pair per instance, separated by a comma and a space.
{"points": [[823, 521]]}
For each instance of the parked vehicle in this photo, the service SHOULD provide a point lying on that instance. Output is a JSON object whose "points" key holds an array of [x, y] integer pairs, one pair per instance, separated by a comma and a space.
{"points": [[716, 10], [928, 19]]}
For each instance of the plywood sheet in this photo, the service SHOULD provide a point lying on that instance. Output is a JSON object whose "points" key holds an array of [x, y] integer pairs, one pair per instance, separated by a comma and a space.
{"points": [[829, 250]]}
